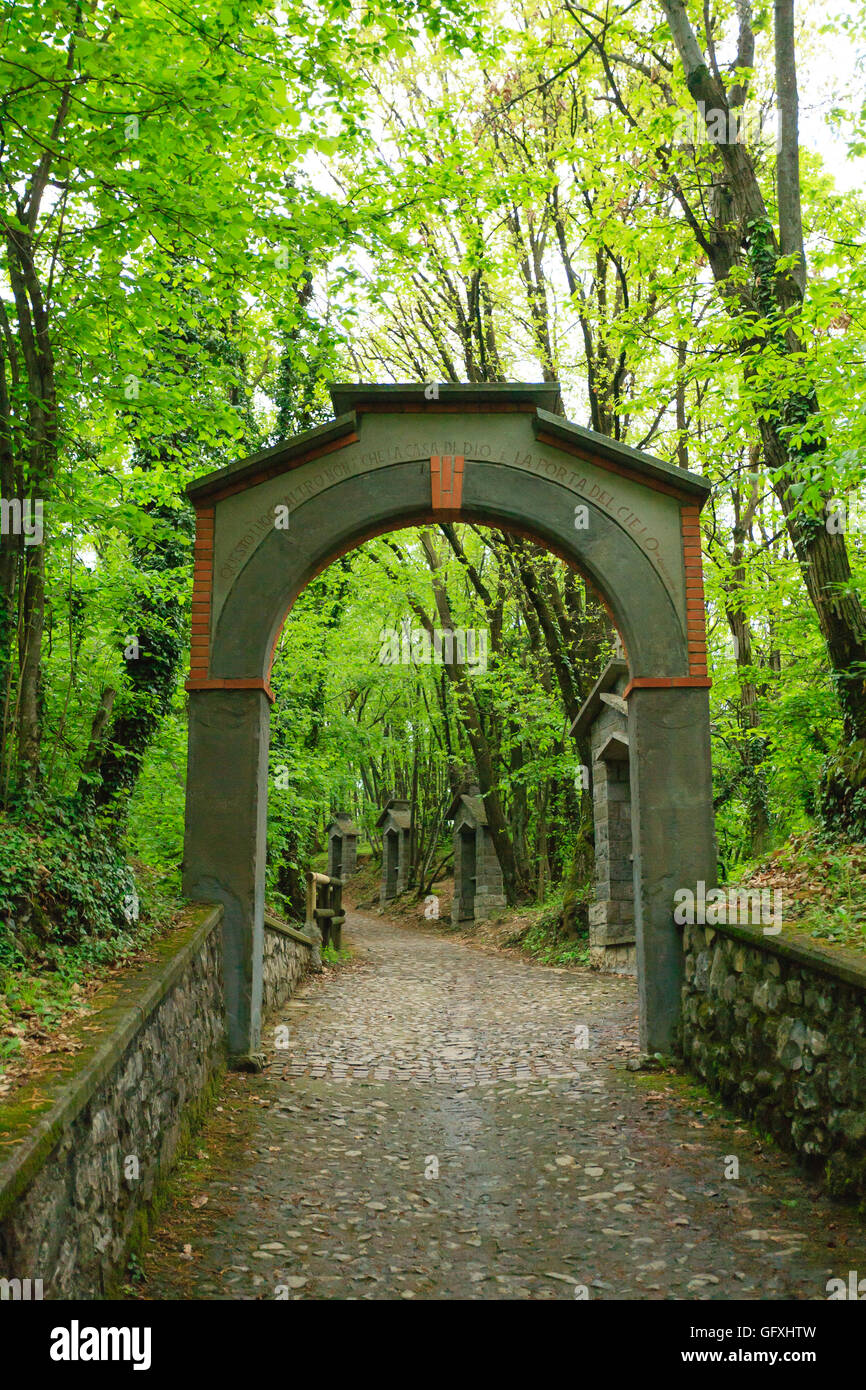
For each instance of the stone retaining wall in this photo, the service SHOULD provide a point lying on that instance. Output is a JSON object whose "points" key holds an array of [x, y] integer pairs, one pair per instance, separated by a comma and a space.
{"points": [[85, 1149], [287, 958], [776, 1025]]}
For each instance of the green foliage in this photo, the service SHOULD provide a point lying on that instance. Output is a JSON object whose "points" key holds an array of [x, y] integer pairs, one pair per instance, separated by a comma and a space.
{"points": [[349, 729], [543, 936], [331, 956], [245, 203], [822, 879], [70, 905], [842, 801], [154, 832], [63, 882]]}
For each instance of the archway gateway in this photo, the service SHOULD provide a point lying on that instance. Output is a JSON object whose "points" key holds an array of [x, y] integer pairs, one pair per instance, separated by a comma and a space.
{"points": [[499, 455]]}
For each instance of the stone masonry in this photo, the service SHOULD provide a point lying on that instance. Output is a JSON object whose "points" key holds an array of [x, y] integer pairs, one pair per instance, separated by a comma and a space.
{"points": [[74, 1187], [611, 917], [478, 891], [366, 473], [84, 1151], [777, 1025], [395, 825], [287, 958], [342, 846]]}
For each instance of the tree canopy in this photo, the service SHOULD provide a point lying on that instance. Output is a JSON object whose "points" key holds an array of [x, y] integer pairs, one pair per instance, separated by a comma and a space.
{"points": [[210, 212]]}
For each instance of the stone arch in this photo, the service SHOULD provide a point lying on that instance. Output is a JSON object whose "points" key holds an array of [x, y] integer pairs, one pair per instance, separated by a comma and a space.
{"points": [[345, 516], [501, 456]]}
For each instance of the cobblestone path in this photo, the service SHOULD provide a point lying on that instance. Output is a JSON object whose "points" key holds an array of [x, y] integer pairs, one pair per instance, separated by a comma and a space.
{"points": [[432, 1130]]}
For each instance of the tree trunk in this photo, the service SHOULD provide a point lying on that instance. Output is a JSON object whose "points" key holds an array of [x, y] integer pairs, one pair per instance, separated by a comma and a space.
{"points": [[788, 149], [98, 731], [29, 722], [10, 550], [743, 233]]}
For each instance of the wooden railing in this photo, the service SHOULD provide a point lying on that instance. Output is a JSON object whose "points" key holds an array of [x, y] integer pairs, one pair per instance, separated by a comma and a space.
{"points": [[325, 915]]}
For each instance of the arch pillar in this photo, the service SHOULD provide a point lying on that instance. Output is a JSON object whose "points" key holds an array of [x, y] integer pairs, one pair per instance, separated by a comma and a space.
{"points": [[226, 843], [497, 455], [673, 838]]}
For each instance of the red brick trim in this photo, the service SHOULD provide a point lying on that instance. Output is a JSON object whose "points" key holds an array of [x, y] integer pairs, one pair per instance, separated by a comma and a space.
{"points": [[273, 470], [587, 456], [202, 592], [446, 408], [667, 683], [446, 481], [696, 618], [230, 683]]}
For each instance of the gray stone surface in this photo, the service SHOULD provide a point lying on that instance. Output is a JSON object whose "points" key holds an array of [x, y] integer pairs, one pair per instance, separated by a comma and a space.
{"points": [[674, 840], [342, 846], [478, 890], [225, 847], [431, 1131], [783, 1038], [394, 823], [72, 1223], [71, 1202], [525, 470], [612, 915], [287, 960]]}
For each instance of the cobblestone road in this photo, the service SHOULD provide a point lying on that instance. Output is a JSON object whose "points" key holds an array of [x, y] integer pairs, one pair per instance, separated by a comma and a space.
{"points": [[432, 1130]]}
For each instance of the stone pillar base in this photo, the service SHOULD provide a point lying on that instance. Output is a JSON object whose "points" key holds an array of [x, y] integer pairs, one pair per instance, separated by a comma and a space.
{"points": [[614, 960], [488, 905], [249, 1062]]}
